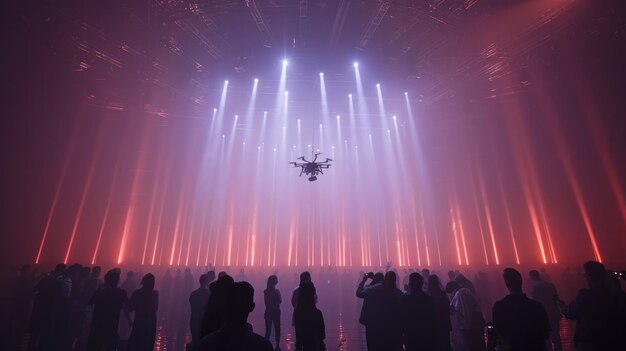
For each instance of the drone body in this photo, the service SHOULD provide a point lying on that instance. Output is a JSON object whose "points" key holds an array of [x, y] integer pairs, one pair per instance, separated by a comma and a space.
{"points": [[312, 168]]}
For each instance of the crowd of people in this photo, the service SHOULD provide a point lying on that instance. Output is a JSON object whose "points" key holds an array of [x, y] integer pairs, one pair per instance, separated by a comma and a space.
{"points": [[71, 308]]}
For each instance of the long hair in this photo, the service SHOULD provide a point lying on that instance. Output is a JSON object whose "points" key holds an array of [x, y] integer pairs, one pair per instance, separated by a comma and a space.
{"points": [[272, 280], [434, 285]]}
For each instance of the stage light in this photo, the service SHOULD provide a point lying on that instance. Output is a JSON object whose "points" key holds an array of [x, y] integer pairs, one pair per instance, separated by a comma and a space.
{"points": [[355, 64], [321, 74], [349, 95], [214, 110], [406, 93], [225, 82], [377, 85], [285, 63], [338, 116], [256, 80]]}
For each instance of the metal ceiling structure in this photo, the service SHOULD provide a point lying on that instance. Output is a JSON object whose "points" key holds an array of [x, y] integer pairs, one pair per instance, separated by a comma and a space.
{"points": [[431, 46]]}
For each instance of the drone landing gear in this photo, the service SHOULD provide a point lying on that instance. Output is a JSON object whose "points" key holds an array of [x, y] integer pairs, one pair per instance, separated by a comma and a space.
{"points": [[312, 178]]}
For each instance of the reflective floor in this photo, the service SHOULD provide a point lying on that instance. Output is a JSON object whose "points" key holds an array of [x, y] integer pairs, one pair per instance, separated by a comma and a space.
{"points": [[343, 333]]}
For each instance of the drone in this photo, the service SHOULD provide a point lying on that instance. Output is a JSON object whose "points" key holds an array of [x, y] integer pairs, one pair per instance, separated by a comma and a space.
{"points": [[312, 168]]}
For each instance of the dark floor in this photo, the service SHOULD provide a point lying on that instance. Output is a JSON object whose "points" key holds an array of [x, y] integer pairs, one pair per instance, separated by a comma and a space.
{"points": [[343, 333]]}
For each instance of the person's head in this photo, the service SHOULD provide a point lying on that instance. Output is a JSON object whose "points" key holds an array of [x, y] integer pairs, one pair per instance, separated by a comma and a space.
{"points": [[512, 280], [595, 273], [147, 281], [204, 280], [416, 282], [378, 278], [222, 274], [305, 277], [112, 277], [534, 275], [95, 271], [130, 275], [306, 295], [452, 287], [211, 275], [241, 302], [451, 275], [272, 280], [433, 284], [425, 273], [390, 279], [60, 269]]}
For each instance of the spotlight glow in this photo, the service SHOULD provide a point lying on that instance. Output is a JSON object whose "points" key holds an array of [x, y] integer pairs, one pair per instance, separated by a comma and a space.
{"points": [[285, 63], [355, 64]]}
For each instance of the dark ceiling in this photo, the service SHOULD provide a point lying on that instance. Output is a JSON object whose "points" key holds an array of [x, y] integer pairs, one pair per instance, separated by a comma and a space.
{"points": [[437, 48]]}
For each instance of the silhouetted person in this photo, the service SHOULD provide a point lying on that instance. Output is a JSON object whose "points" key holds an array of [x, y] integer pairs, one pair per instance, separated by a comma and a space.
{"points": [[443, 325], [465, 283], [273, 300], [93, 283], [308, 320], [216, 309], [451, 276], [129, 285], [615, 288], [418, 316], [596, 311], [383, 316], [108, 303], [183, 303], [377, 279], [520, 323], [45, 318], [305, 277], [236, 334], [467, 319], [79, 315], [145, 303], [198, 301], [544, 293]]}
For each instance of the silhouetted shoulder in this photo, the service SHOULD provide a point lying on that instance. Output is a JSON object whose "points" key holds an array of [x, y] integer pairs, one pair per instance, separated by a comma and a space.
{"points": [[234, 340]]}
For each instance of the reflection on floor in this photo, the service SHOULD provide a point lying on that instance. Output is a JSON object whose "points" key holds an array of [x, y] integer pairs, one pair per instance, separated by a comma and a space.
{"points": [[343, 333]]}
